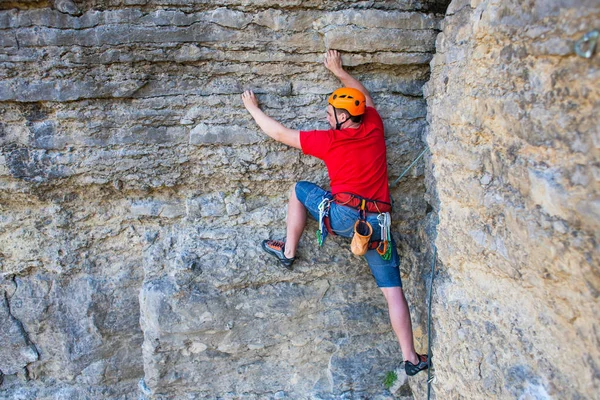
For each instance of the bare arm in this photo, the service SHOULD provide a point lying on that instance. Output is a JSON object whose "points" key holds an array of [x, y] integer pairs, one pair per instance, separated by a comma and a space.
{"points": [[269, 126], [333, 62]]}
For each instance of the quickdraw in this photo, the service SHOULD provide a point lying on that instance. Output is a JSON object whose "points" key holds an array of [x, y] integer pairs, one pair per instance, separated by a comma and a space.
{"points": [[384, 249], [323, 214]]}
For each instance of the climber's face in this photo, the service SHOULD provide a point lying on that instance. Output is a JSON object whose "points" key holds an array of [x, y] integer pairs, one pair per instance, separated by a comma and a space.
{"points": [[331, 116]]}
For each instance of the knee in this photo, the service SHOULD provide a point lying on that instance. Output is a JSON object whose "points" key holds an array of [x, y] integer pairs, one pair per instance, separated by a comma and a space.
{"points": [[393, 294], [295, 187]]}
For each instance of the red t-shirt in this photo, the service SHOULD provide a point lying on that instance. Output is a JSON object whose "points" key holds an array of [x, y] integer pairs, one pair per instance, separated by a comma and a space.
{"points": [[355, 158]]}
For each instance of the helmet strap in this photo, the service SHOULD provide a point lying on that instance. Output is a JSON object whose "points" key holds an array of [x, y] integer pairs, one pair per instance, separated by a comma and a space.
{"points": [[338, 125]]}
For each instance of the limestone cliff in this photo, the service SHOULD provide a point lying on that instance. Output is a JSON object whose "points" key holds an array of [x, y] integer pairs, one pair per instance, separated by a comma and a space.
{"points": [[514, 176]]}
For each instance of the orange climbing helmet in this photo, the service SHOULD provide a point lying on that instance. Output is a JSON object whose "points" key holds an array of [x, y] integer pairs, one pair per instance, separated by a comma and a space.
{"points": [[349, 99]]}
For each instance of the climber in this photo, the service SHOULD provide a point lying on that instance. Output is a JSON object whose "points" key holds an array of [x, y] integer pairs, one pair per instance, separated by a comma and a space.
{"points": [[354, 152]]}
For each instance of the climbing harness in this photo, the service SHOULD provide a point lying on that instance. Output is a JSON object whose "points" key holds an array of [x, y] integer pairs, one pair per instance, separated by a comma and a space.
{"points": [[585, 46], [363, 231], [354, 201]]}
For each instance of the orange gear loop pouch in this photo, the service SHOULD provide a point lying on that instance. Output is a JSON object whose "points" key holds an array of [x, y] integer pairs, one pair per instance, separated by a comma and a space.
{"points": [[362, 233]]}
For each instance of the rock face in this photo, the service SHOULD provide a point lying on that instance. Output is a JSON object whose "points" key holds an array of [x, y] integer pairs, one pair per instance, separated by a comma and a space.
{"points": [[514, 177], [135, 190]]}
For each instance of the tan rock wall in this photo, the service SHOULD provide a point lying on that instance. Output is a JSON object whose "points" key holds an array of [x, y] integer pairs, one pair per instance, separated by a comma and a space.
{"points": [[514, 175]]}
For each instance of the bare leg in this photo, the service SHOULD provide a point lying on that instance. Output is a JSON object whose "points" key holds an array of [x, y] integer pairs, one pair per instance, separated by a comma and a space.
{"points": [[400, 319], [296, 220]]}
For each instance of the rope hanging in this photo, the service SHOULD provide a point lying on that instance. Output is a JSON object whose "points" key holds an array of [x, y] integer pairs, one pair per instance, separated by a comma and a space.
{"points": [[429, 377]]}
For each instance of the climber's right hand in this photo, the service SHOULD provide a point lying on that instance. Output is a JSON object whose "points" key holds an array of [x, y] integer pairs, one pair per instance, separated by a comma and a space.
{"points": [[333, 62], [250, 100]]}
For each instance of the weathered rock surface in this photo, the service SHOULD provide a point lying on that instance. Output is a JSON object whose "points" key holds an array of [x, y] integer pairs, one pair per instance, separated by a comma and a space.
{"points": [[17, 349], [135, 190], [514, 176]]}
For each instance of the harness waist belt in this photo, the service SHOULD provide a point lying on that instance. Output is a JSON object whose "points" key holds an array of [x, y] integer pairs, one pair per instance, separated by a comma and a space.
{"points": [[354, 201]]}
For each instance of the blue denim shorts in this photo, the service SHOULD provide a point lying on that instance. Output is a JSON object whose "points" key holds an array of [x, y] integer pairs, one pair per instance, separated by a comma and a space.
{"points": [[342, 219]]}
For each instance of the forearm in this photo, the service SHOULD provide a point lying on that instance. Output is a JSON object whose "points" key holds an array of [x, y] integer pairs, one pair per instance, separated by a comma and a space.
{"points": [[268, 125], [349, 81], [275, 129]]}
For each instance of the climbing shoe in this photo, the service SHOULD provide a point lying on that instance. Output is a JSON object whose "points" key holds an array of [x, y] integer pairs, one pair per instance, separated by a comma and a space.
{"points": [[277, 248], [412, 369]]}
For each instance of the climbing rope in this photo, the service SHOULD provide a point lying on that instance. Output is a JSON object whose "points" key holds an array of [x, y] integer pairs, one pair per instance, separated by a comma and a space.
{"points": [[429, 377], [409, 167]]}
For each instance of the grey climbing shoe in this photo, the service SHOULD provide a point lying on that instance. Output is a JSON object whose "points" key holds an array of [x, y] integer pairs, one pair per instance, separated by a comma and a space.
{"points": [[276, 248], [412, 369]]}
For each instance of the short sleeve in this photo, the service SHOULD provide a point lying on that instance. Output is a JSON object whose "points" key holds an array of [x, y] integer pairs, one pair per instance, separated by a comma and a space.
{"points": [[316, 143], [372, 116]]}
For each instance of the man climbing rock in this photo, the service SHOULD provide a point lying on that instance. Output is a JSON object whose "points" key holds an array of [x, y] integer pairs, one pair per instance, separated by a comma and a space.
{"points": [[358, 204]]}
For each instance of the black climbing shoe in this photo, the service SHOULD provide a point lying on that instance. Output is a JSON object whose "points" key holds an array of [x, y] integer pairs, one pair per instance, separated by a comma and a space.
{"points": [[277, 248], [412, 369]]}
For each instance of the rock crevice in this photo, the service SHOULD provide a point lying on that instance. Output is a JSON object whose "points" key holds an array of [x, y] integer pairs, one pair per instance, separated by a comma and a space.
{"points": [[18, 351]]}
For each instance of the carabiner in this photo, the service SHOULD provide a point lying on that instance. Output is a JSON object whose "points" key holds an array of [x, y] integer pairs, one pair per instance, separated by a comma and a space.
{"points": [[588, 40]]}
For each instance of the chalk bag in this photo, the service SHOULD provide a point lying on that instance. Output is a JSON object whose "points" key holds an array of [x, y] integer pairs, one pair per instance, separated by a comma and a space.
{"points": [[362, 235]]}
